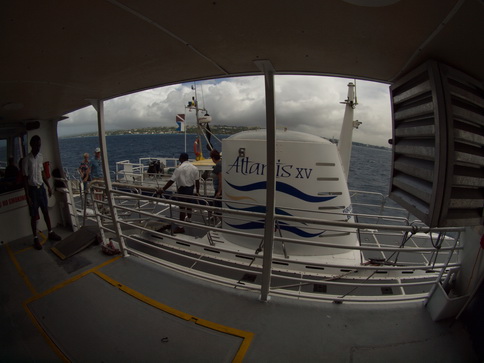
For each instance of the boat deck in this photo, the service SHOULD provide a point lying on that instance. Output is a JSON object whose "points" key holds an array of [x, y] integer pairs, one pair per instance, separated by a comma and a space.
{"points": [[94, 307]]}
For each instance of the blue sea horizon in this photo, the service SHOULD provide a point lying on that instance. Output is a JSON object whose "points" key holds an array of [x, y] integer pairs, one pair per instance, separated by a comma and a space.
{"points": [[369, 169]]}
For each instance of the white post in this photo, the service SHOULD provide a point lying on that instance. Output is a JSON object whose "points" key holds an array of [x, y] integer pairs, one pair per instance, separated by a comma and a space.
{"points": [[99, 106], [266, 67], [346, 136]]}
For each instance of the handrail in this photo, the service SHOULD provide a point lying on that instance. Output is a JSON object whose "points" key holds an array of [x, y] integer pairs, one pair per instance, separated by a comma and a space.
{"points": [[295, 273], [325, 222]]}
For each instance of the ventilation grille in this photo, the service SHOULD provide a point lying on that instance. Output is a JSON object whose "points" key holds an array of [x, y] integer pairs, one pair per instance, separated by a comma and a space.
{"points": [[438, 139]]}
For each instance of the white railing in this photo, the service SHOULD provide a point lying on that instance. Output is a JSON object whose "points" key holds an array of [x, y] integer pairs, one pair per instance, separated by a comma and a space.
{"points": [[165, 163], [129, 172], [401, 260]]}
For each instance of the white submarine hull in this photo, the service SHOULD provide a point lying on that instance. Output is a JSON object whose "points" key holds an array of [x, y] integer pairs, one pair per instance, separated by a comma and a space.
{"points": [[310, 183]]}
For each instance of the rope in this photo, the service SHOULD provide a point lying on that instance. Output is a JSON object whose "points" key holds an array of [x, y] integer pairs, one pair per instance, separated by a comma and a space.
{"points": [[257, 251], [406, 238], [353, 289], [437, 245]]}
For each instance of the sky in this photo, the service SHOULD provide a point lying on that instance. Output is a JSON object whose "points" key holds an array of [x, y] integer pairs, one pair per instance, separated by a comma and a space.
{"points": [[303, 103]]}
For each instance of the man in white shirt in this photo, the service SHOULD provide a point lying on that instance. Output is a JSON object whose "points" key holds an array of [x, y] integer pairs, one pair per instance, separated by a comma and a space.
{"points": [[186, 177], [34, 179]]}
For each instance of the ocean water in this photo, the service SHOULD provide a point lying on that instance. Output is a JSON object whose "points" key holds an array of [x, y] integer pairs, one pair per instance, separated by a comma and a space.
{"points": [[129, 147], [369, 169]]}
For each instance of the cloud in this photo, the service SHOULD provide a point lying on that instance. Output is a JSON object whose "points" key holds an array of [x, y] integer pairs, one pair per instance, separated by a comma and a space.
{"points": [[303, 103]]}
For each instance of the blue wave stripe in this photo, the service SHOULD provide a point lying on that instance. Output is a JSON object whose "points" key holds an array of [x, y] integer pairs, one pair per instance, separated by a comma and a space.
{"points": [[260, 209], [300, 232], [248, 225], [260, 224], [283, 188]]}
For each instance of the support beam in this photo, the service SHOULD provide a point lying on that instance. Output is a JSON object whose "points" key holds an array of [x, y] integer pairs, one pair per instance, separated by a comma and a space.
{"points": [[266, 67], [99, 107], [346, 136]]}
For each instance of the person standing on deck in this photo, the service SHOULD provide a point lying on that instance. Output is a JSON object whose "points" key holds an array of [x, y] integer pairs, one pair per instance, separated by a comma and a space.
{"points": [[186, 178], [217, 176], [97, 171], [11, 179], [85, 172], [11, 171], [217, 173], [34, 180]]}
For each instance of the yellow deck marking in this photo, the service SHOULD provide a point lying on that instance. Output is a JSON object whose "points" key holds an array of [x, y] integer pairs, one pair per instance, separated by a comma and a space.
{"points": [[34, 320], [245, 335], [44, 238], [42, 242], [36, 296], [51, 343], [22, 274], [70, 281]]}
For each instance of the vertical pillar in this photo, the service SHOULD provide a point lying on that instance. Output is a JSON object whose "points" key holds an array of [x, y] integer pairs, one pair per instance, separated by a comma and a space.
{"points": [[346, 137], [99, 106], [266, 67]]}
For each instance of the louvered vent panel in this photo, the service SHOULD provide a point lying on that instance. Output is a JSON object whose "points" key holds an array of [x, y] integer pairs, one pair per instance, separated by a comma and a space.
{"points": [[464, 189], [438, 138]]}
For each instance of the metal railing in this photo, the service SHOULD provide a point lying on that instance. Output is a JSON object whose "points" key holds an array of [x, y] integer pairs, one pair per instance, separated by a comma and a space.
{"points": [[397, 259]]}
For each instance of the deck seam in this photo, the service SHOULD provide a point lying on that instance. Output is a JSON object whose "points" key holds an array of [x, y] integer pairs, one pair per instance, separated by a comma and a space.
{"points": [[36, 296], [245, 335]]}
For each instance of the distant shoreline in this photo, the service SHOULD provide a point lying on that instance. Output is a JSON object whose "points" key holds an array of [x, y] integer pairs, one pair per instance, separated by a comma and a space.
{"points": [[217, 130]]}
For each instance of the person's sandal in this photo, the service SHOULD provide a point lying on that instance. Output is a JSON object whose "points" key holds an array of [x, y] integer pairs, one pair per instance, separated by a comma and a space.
{"points": [[37, 244], [54, 236]]}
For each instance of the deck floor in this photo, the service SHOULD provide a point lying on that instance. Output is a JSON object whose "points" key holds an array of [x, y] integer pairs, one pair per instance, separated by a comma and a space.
{"points": [[94, 307]]}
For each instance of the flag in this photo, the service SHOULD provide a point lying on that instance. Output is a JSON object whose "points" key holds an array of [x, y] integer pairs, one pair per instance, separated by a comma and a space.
{"points": [[180, 120]]}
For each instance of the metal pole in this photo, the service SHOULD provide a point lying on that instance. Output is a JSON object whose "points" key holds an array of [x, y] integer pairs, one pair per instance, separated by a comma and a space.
{"points": [[346, 135], [266, 67], [99, 106]]}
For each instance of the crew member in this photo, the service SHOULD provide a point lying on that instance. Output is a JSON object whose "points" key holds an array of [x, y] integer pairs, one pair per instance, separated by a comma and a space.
{"points": [[186, 177], [34, 180]]}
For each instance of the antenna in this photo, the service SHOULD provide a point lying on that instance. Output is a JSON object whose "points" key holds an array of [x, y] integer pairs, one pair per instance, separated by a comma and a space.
{"points": [[203, 97], [356, 97]]}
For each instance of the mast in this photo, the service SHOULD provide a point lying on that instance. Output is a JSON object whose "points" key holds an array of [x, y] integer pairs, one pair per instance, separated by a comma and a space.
{"points": [[203, 128], [346, 136]]}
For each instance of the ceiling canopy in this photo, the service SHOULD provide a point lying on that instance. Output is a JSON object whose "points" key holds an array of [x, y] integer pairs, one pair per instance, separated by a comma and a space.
{"points": [[58, 54]]}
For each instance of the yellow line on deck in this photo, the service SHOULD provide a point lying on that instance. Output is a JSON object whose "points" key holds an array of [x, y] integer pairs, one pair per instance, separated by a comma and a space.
{"points": [[44, 238], [20, 271], [46, 336], [70, 281], [245, 335], [42, 242], [37, 296]]}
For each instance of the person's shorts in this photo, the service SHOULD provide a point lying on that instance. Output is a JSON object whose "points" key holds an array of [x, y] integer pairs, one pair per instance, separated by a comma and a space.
{"points": [[186, 191], [38, 196]]}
